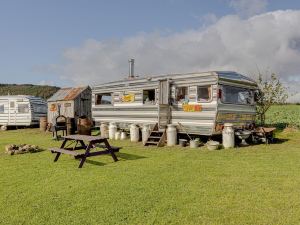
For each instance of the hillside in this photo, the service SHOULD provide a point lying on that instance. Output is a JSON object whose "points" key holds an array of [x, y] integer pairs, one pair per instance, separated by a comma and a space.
{"points": [[43, 91]]}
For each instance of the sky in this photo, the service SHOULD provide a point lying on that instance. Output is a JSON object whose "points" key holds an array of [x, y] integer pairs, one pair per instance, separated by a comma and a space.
{"points": [[68, 43]]}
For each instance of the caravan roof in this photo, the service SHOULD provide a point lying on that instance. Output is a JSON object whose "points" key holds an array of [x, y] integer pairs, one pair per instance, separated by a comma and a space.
{"points": [[5, 97], [221, 75]]}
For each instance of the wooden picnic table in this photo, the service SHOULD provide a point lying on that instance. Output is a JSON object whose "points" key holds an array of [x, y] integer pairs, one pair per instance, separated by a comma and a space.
{"points": [[87, 143]]}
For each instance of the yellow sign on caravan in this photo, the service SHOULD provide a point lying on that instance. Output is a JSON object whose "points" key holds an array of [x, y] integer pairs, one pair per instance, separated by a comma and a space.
{"points": [[191, 108], [130, 97]]}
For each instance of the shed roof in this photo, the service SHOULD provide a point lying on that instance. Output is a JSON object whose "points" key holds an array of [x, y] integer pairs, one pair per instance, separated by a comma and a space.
{"points": [[67, 94]]}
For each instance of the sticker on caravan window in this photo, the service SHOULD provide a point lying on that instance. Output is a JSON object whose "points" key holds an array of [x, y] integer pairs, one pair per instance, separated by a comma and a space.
{"points": [[128, 98], [191, 108]]}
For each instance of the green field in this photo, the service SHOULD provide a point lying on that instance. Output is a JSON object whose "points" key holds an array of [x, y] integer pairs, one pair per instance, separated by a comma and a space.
{"points": [[281, 116], [252, 185]]}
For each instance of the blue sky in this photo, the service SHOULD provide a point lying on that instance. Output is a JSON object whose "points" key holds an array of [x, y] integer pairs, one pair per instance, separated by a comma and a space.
{"points": [[38, 38]]}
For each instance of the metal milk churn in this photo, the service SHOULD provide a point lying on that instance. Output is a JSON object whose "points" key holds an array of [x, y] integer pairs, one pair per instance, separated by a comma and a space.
{"points": [[171, 135], [228, 135], [145, 133], [134, 133], [104, 130], [123, 135], [112, 130], [117, 135]]}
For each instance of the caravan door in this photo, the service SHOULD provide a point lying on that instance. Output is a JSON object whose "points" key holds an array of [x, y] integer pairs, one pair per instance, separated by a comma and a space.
{"points": [[12, 112], [163, 103]]}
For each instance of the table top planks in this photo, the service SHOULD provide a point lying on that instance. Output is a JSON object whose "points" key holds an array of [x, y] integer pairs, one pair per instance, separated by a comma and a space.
{"points": [[80, 137]]}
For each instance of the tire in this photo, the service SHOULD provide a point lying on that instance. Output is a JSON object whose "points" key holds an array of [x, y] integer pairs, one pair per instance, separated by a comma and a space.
{"points": [[3, 127]]}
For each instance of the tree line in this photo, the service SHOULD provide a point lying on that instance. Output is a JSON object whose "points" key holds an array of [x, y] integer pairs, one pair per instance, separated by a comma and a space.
{"points": [[43, 91]]}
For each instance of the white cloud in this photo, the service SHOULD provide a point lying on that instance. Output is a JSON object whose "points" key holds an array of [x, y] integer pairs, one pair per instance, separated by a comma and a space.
{"points": [[270, 41], [246, 8]]}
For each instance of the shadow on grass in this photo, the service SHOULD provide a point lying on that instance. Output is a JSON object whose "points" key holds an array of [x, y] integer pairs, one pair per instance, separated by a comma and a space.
{"points": [[96, 163], [129, 156]]}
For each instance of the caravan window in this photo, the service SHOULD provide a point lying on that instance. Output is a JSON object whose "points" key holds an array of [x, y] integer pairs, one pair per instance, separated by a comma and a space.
{"points": [[103, 99], [23, 108], [2, 108], [237, 95], [203, 93], [182, 94], [149, 96]]}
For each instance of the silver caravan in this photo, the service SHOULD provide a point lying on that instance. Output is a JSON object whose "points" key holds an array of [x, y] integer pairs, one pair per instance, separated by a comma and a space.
{"points": [[200, 102], [21, 110]]}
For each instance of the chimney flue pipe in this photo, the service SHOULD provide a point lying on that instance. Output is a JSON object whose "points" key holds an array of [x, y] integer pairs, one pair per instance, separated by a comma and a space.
{"points": [[131, 68]]}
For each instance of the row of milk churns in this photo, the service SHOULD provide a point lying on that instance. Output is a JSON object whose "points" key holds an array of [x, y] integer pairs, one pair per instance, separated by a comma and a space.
{"points": [[111, 131]]}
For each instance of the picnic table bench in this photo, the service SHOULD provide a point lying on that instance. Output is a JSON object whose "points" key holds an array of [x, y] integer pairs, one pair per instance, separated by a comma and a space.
{"points": [[87, 143]]}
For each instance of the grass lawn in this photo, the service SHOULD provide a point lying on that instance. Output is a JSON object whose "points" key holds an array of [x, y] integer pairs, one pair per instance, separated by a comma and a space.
{"points": [[253, 185]]}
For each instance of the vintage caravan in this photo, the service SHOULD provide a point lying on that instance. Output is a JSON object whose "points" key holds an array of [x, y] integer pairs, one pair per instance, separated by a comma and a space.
{"points": [[199, 103], [21, 110]]}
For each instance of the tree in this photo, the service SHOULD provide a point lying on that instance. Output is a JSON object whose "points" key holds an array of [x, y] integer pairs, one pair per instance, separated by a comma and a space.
{"points": [[271, 91]]}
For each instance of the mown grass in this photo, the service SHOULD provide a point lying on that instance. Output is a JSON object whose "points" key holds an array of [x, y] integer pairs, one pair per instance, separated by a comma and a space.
{"points": [[252, 185]]}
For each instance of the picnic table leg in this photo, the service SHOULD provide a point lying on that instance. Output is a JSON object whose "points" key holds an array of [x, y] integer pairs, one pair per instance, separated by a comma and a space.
{"points": [[110, 150], [86, 154], [58, 153]]}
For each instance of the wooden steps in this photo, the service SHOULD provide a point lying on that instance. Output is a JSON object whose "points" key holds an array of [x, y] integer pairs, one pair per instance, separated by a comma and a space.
{"points": [[156, 137]]}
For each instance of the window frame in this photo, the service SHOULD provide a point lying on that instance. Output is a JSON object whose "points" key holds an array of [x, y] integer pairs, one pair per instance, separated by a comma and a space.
{"points": [[104, 94], [2, 105], [176, 94], [209, 86], [24, 104], [230, 103], [155, 97]]}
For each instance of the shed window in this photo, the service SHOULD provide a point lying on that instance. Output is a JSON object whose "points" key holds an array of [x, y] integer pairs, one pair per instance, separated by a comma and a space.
{"points": [[149, 96], [2, 108], [103, 99], [203, 93], [181, 94], [23, 108]]}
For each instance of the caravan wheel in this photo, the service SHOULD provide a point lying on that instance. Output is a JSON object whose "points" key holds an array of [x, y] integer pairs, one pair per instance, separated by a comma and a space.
{"points": [[3, 127]]}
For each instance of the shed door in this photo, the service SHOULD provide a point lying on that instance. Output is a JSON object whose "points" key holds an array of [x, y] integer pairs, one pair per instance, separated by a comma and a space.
{"points": [[12, 112]]}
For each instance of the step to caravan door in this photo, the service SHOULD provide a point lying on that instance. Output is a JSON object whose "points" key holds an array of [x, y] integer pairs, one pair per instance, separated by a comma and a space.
{"points": [[12, 112]]}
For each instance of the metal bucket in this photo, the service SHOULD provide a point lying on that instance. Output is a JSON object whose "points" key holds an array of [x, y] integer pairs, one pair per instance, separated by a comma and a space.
{"points": [[182, 142], [194, 143]]}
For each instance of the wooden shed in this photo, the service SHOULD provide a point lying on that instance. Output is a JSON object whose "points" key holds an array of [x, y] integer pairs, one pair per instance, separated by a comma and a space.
{"points": [[70, 102]]}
